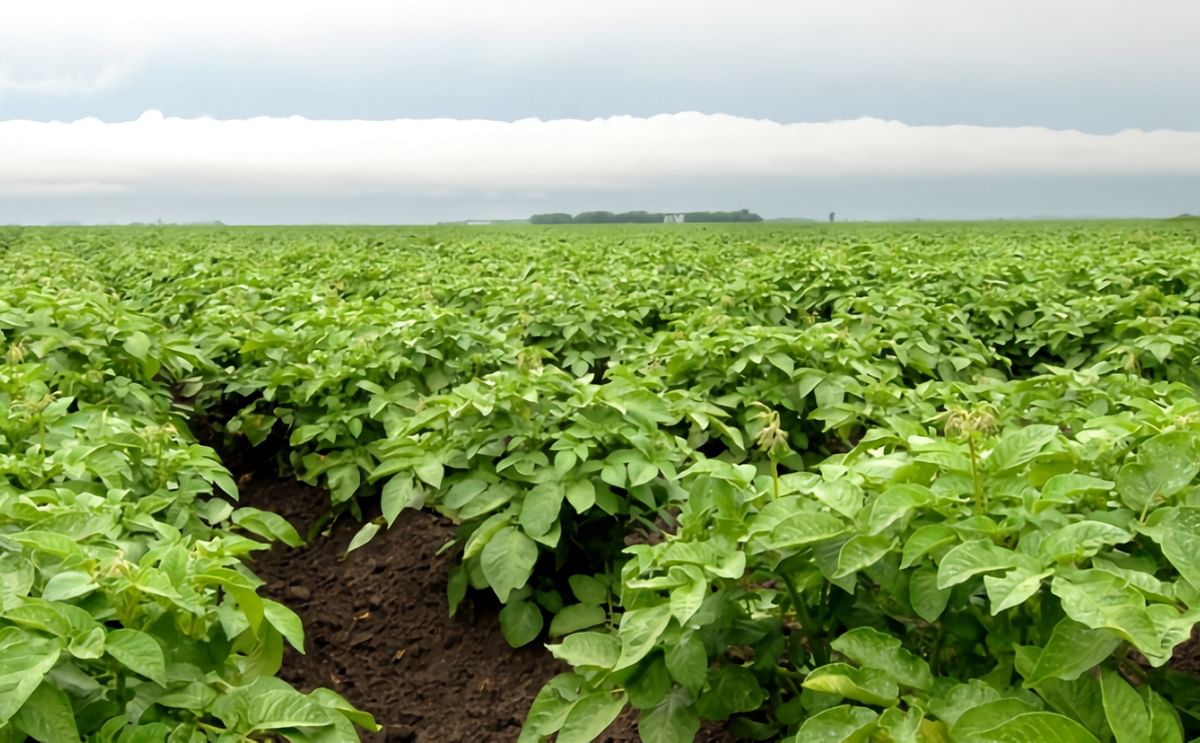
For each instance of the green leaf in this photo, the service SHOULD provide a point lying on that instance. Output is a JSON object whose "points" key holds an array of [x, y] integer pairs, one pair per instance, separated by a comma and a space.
{"points": [[590, 716], [732, 689], [1065, 488], [276, 709], [267, 525], [1165, 726], [990, 715], [1080, 540], [1018, 447], [687, 662], [841, 724], [927, 600], [685, 599], [343, 480], [47, 716], [575, 617], [1013, 588], [871, 648], [137, 345], [587, 589], [1123, 708], [25, 659], [925, 540], [520, 622], [68, 585], [541, 507], [972, 558], [138, 652], [639, 631], [641, 472], [674, 720], [581, 494], [1072, 650], [588, 649], [286, 622], [1037, 726], [365, 534], [507, 561], [861, 552], [1102, 601], [399, 493], [430, 470], [896, 503], [802, 529], [865, 685], [1165, 465]]}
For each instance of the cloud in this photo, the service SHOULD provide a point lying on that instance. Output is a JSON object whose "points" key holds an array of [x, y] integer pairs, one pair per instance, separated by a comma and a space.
{"points": [[105, 76], [341, 158]]}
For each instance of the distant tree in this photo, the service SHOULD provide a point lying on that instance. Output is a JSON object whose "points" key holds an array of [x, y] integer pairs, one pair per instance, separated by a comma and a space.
{"points": [[831, 216], [642, 217]]}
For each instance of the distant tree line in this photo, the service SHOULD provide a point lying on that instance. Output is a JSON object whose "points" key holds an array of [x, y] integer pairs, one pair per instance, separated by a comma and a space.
{"points": [[642, 217]]}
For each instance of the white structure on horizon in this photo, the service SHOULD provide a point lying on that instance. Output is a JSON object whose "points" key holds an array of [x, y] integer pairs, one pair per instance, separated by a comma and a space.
{"points": [[673, 218]]}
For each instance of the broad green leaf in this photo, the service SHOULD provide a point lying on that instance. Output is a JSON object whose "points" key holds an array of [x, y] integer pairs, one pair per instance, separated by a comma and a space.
{"points": [[520, 622], [841, 724], [286, 622], [1165, 726], [68, 585], [990, 715], [276, 709], [1013, 588], [925, 540], [1037, 726], [47, 716], [803, 529], [1066, 487], [267, 525], [587, 589], [731, 689], [1072, 650], [871, 648], [685, 599], [1101, 601], [1080, 540], [639, 631], [137, 345], [430, 470], [25, 659], [399, 493], [550, 707], [138, 652], [927, 600], [896, 503], [1124, 709], [590, 716], [687, 662], [588, 649], [674, 720], [1020, 446], [865, 685], [581, 494], [861, 552], [575, 617], [541, 507], [1164, 465], [973, 558], [507, 561]]}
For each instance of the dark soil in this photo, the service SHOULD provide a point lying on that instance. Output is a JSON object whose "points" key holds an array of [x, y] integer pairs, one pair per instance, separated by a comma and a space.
{"points": [[378, 630]]}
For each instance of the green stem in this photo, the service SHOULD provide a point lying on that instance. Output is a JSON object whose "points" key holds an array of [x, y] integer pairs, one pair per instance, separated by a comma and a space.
{"points": [[980, 496]]}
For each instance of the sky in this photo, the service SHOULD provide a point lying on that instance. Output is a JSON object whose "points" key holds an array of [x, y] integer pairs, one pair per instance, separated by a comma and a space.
{"points": [[388, 112]]}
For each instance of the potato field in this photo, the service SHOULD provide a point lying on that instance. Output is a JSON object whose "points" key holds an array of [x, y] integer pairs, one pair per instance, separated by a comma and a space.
{"points": [[906, 483]]}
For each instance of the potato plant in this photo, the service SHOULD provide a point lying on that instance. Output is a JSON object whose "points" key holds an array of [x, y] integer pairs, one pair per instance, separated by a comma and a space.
{"points": [[886, 483]]}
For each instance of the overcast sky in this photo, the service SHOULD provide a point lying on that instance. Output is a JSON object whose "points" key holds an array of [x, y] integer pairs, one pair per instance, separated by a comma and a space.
{"points": [[299, 111]]}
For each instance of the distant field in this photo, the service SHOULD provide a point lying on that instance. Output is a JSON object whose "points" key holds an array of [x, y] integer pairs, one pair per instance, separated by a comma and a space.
{"points": [[924, 481]]}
